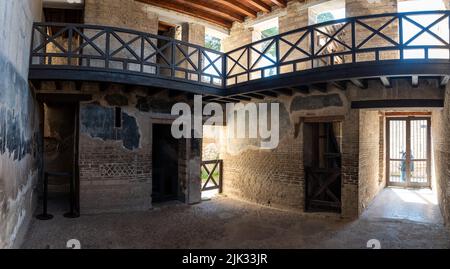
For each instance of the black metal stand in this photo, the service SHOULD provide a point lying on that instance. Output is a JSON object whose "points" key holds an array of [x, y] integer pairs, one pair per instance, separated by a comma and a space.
{"points": [[72, 214], [45, 215]]}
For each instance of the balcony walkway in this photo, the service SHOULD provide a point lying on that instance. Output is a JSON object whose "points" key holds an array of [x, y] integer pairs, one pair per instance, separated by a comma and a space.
{"points": [[381, 47]]}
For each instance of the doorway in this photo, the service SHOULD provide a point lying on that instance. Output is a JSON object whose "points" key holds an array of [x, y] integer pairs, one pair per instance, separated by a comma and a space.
{"points": [[165, 174], [322, 161], [408, 152], [60, 154]]}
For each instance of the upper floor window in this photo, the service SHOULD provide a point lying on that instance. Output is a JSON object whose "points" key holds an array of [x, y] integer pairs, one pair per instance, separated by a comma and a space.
{"points": [[328, 11], [264, 30], [412, 33], [212, 61], [213, 42]]}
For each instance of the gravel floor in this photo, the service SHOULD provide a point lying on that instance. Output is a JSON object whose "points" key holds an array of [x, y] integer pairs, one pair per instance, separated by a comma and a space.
{"points": [[227, 223]]}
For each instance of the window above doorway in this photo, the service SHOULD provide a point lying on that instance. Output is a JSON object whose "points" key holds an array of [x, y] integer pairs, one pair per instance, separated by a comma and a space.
{"points": [[328, 11]]}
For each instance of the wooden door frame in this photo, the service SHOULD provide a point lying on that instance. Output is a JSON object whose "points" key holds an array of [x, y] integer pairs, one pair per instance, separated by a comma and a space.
{"points": [[408, 120]]}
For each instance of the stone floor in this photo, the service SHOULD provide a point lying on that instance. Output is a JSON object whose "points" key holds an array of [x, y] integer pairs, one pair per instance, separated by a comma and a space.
{"points": [[397, 218]]}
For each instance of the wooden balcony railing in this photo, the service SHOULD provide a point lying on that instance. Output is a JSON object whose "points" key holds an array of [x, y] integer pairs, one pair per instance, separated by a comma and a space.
{"points": [[374, 38], [399, 37], [93, 47]]}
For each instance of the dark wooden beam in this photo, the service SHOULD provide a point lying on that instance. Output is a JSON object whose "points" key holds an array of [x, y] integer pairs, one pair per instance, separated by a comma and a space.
{"points": [[259, 5], [386, 82], [269, 93], [63, 97], [341, 85], [301, 89], [155, 91], [285, 91], [362, 84], [280, 3], [238, 7], [78, 85], [398, 103], [241, 97], [444, 81], [176, 6], [229, 100], [175, 94], [255, 96], [213, 8], [415, 81], [165, 26], [209, 98], [321, 87], [103, 86]]}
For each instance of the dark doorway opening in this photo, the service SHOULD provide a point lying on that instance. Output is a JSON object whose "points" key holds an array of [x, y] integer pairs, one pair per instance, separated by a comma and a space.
{"points": [[322, 164], [60, 155], [165, 175]]}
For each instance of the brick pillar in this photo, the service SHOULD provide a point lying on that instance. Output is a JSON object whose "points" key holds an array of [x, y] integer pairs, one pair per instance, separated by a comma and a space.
{"points": [[193, 170], [350, 164], [193, 34]]}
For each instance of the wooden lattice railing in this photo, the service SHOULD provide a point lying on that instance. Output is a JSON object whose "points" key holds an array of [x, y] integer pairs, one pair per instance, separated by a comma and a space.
{"points": [[375, 38]]}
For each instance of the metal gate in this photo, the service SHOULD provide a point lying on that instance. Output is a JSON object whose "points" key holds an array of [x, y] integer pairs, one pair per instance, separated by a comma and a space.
{"points": [[211, 174], [408, 152]]}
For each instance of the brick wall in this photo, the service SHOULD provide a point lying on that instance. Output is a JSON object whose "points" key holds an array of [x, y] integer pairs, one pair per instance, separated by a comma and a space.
{"points": [[350, 164], [116, 163], [121, 13], [440, 131], [369, 158], [275, 177], [269, 177]]}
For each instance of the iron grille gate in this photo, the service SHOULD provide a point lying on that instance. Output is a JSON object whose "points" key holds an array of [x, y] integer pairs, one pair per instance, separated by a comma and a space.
{"points": [[212, 177], [408, 152]]}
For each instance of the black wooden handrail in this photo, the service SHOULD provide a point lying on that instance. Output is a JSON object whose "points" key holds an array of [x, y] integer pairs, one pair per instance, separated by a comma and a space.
{"points": [[345, 41], [103, 47], [340, 42]]}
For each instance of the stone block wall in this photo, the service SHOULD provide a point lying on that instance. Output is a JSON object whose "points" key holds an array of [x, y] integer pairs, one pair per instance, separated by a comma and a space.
{"points": [[369, 159], [350, 164], [270, 177], [440, 131], [116, 163], [121, 13], [275, 177], [20, 136]]}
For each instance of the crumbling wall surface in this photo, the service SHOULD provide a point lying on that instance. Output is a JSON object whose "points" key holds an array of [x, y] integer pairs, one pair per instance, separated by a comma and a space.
{"points": [[19, 121], [440, 131], [369, 161], [271, 177], [116, 162], [275, 177]]}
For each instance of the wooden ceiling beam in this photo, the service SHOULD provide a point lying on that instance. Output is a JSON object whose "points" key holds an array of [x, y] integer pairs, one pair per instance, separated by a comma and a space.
{"points": [[280, 3], [386, 82], [191, 11], [210, 7], [259, 5], [255, 96], [238, 7], [444, 81], [415, 81], [362, 84]]}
